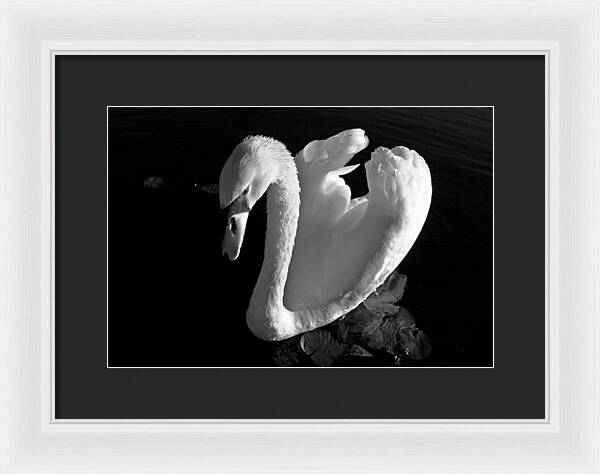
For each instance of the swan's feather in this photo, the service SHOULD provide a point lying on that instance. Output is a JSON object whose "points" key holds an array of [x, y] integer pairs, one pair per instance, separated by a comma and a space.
{"points": [[324, 195], [347, 247]]}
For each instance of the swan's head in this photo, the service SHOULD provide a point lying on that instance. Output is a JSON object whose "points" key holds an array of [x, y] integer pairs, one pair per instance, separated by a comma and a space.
{"points": [[249, 171]]}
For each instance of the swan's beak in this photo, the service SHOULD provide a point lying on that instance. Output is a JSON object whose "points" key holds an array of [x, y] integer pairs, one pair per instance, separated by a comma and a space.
{"points": [[234, 235]]}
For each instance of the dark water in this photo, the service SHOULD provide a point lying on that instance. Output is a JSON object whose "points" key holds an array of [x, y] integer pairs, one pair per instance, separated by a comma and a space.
{"points": [[174, 300]]}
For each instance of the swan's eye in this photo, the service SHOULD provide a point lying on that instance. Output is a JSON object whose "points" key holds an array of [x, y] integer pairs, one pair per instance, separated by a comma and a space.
{"points": [[233, 225], [245, 191]]}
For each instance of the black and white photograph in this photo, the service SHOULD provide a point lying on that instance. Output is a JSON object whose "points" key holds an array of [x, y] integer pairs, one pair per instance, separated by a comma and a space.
{"points": [[300, 236]]}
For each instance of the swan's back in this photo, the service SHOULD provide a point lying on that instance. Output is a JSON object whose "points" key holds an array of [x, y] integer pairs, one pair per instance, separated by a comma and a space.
{"points": [[346, 246]]}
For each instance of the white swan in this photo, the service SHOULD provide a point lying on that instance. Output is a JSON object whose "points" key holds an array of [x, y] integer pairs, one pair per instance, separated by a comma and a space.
{"points": [[324, 253]]}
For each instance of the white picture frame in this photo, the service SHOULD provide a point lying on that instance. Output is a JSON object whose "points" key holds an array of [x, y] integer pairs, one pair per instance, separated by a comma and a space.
{"points": [[566, 33]]}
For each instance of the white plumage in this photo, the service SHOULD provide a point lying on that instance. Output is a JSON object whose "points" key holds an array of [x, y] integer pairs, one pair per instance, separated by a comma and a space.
{"points": [[324, 251]]}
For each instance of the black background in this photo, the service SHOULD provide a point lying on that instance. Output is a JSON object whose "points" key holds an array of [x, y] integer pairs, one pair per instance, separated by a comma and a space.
{"points": [[87, 389], [174, 301]]}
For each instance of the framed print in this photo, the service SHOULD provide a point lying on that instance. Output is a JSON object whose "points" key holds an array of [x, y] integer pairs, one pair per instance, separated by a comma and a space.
{"points": [[230, 245]]}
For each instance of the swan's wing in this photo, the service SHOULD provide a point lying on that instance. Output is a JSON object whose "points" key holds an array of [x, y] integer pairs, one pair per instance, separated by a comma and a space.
{"points": [[346, 247], [324, 195]]}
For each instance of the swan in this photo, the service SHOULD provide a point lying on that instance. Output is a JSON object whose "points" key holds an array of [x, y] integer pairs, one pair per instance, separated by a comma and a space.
{"points": [[324, 252]]}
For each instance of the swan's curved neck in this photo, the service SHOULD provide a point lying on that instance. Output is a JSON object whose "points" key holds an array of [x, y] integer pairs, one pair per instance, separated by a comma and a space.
{"points": [[266, 311], [267, 316]]}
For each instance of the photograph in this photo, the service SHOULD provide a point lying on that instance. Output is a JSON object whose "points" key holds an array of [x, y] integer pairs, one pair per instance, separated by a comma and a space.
{"points": [[288, 236], [275, 237]]}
